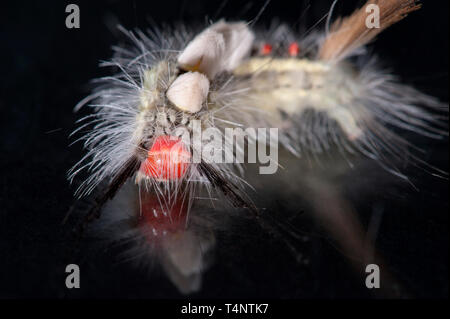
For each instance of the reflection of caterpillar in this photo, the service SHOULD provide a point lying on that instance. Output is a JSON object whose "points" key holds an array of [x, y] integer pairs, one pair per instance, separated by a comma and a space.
{"points": [[321, 91], [136, 221]]}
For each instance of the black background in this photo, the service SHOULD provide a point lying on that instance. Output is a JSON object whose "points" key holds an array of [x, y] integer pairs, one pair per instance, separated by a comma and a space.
{"points": [[45, 68]]}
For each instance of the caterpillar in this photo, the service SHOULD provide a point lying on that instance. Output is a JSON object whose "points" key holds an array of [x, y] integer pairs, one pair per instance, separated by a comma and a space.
{"points": [[320, 92]]}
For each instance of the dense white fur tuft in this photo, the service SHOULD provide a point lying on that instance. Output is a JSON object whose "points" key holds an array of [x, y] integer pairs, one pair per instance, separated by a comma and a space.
{"points": [[189, 91], [221, 47]]}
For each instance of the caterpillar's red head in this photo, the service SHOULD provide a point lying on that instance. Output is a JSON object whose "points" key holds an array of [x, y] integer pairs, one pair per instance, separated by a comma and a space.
{"points": [[167, 160]]}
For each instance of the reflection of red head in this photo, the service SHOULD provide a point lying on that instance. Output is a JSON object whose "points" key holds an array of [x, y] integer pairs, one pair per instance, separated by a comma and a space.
{"points": [[162, 217], [167, 159]]}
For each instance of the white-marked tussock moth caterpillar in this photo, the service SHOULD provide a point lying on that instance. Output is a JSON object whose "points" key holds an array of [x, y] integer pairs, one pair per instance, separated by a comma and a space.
{"points": [[320, 92]]}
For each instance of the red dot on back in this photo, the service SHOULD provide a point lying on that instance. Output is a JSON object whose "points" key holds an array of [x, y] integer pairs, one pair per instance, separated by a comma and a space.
{"points": [[294, 49], [266, 49]]}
